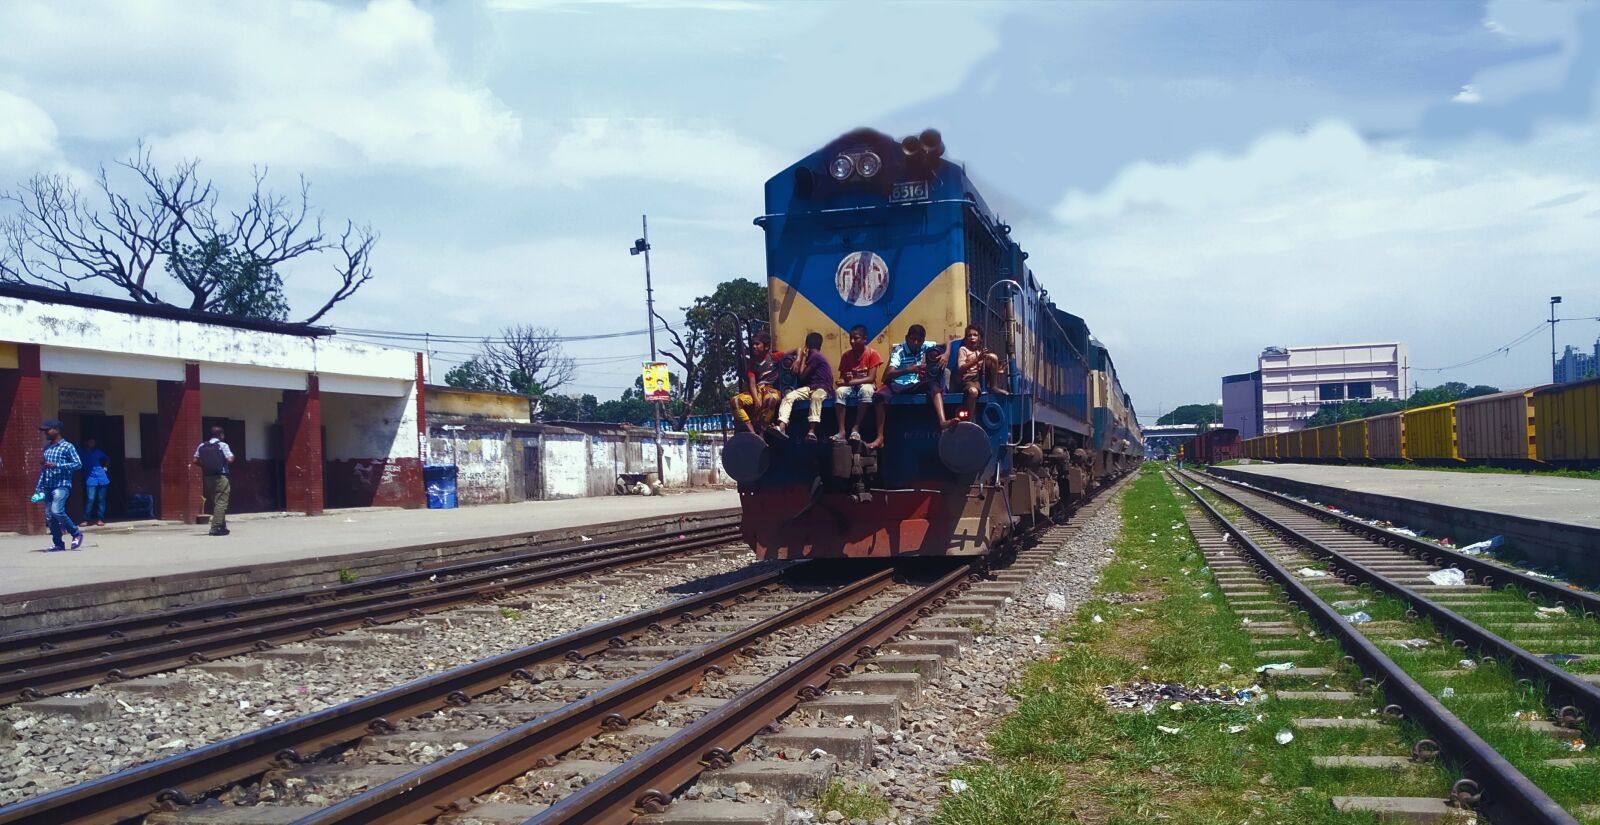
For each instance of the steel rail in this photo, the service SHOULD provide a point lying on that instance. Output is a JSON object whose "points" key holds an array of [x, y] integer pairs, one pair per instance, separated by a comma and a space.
{"points": [[420, 794], [27, 645], [647, 781], [314, 621], [1566, 689], [1508, 792], [1481, 569], [131, 793]]}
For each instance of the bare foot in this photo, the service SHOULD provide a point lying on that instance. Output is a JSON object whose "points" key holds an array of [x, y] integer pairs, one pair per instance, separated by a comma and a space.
{"points": [[874, 444]]}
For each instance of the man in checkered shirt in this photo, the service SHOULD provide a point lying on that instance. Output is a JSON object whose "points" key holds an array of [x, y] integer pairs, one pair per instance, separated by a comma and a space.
{"points": [[55, 484]]}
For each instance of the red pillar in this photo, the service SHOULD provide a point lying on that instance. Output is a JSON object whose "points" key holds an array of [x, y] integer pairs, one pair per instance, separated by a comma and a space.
{"points": [[417, 488], [178, 420], [302, 438], [20, 443]]}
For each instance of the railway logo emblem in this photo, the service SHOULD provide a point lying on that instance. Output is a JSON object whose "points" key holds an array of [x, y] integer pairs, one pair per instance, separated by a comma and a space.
{"points": [[862, 278]]}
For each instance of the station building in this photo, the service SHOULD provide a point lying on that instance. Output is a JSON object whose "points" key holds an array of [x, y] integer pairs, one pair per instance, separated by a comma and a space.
{"points": [[1291, 383], [314, 422]]}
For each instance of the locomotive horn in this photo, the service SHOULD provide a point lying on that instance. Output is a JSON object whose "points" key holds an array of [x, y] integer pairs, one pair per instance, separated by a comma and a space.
{"points": [[911, 146], [932, 143]]}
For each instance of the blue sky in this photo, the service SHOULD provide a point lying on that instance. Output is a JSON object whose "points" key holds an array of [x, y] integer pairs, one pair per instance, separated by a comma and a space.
{"points": [[1199, 180]]}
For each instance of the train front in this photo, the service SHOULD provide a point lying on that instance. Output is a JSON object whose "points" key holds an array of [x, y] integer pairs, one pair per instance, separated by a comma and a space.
{"points": [[871, 231]]}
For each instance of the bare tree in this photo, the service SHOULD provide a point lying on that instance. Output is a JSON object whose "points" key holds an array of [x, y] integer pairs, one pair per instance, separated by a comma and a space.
{"points": [[686, 351], [526, 359], [57, 238]]}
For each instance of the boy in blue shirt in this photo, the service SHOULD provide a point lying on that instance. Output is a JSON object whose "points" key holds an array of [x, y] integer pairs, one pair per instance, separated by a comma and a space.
{"points": [[95, 481], [914, 366]]}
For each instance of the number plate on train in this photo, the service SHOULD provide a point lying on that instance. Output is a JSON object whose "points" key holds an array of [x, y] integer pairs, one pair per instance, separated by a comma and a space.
{"points": [[911, 190]]}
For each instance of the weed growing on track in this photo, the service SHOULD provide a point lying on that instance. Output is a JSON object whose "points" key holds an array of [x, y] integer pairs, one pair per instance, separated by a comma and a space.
{"points": [[347, 576], [854, 802], [1066, 756]]}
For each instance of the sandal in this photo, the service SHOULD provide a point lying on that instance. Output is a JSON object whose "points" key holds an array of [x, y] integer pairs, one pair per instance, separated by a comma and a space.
{"points": [[855, 435], [811, 438]]}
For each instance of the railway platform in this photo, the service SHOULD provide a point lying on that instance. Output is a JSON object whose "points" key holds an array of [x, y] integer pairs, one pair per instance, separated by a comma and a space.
{"points": [[144, 564], [1549, 520]]}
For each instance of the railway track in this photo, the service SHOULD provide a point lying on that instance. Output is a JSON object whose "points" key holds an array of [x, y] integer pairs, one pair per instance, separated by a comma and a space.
{"points": [[1540, 645], [1271, 545], [655, 697], [49, 661]]}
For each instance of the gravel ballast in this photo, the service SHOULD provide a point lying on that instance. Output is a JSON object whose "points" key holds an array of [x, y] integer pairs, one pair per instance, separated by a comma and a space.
{"points": [[161, 715]]}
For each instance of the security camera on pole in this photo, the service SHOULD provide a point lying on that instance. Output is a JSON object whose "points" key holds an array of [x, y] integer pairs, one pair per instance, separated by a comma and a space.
{"points": [[642, 246]]}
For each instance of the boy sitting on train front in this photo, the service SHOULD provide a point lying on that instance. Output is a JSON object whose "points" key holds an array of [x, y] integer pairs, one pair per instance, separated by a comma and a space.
{"points": [[857, 368], [814, 375], [753, 408], [972, 362], [914, 366]]}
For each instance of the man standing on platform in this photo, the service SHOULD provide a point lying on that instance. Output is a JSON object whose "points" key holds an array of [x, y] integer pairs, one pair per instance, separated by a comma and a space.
{"points": [[214, 457], [55, 484]]}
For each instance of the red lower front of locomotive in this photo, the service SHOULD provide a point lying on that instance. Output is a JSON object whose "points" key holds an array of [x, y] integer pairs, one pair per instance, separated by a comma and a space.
{"points": [[799, 523]]}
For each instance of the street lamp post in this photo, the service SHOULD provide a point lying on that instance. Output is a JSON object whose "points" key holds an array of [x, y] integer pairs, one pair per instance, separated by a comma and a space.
{"points": [[1554, 299], [642, 246]]}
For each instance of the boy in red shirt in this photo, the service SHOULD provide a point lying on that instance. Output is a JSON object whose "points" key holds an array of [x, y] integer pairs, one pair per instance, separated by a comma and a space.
{"points": [[856, 370]]}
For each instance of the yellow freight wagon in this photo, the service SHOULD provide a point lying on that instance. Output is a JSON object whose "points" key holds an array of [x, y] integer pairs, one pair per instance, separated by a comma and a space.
{"points": [[1308, 443], [1568, 422], [1496, 427], [1353, 440], [1290, 442], [1430, 433], [1328, 442]]}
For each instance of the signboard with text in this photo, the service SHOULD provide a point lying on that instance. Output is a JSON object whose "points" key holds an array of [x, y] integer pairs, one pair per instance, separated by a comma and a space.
{"points": [[73, 399], [657, 382]]}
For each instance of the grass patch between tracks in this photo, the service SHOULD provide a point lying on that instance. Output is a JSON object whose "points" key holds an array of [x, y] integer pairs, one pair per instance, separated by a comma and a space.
{"points": [[1066, 756], [1487, 697]]}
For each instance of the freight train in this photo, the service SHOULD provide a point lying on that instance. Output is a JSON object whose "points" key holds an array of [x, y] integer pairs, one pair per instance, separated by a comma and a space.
{"points": [[884, 234], [1557, 425], [1212, 447]]}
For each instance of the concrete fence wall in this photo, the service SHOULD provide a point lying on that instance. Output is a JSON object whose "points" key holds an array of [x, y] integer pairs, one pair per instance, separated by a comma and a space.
{"points": [[493, 465]]}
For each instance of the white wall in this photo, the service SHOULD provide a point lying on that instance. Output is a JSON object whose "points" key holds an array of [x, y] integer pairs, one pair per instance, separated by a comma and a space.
{"points": [[127, 397], [257, 408], [102, 342], [364, 426]]}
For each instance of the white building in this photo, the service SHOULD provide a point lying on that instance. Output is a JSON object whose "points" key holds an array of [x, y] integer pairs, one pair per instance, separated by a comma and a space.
{"points": [[1298, 381], [313, 421]]}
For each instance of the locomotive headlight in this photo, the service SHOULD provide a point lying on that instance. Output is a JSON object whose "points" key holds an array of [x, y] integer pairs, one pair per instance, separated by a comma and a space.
{"points": [[868, 164], [841, 167]]}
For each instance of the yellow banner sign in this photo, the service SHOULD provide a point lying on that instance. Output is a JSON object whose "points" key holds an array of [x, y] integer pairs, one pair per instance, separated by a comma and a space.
{"points": [[657, 381]]}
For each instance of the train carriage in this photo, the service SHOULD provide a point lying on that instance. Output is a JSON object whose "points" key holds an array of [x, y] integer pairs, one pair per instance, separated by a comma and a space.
{"points": [[887, 234]]}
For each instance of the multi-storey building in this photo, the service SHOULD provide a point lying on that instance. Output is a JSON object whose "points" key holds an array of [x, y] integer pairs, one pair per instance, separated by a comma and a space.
{"points": [[1576, 365], [1241, 403], [1297, 381]]}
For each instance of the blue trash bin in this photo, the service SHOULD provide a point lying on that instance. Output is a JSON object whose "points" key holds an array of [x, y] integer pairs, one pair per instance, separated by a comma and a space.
{"points": [[440, 479]]}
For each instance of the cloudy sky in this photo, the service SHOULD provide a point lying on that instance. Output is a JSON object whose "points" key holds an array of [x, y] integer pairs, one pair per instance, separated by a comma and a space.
{"points": [[1199, 180]]}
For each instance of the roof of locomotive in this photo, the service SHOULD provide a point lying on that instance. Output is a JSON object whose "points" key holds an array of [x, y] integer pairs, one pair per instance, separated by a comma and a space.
{"points": [[806, 186]]}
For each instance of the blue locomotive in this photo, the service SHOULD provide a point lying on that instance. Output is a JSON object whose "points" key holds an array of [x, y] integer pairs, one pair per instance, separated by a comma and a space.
{"points": [[884, 234]]}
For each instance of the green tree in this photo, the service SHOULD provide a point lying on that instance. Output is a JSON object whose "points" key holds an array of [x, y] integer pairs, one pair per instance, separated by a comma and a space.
{"points": [[708, 347], [1193, 414], [229, 281], [631, 408], [472, 374]]}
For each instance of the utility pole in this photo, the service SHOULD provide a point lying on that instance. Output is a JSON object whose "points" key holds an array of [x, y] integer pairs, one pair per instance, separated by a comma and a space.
{"points": [[1554, 299], [642, 246]]}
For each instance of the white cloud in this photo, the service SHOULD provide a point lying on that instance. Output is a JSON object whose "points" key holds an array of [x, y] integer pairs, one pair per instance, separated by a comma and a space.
{"points": [[709, 157], [1188, 269], [1468, 94], [302, 84], [27, 133]]}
